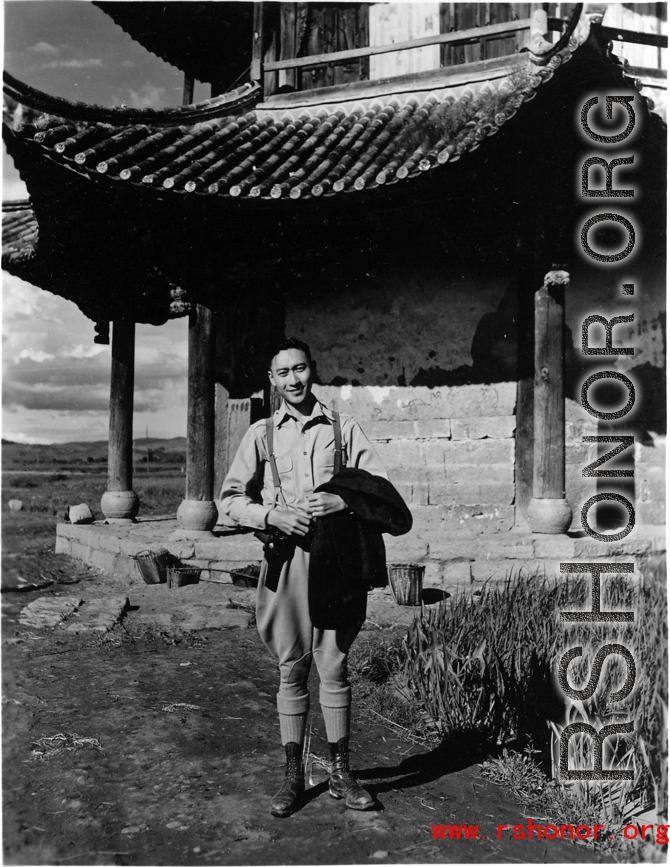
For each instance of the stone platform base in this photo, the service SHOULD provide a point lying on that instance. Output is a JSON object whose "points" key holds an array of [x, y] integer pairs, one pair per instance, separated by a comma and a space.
{"points": [[457, 563]]}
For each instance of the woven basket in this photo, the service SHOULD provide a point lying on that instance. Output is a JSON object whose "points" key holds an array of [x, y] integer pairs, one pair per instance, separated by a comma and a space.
{"points": [[406, 582], [153, 565], [180, 576], [247, 577]]}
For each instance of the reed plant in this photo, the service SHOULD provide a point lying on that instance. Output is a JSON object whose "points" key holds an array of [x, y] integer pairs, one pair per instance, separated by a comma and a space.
{"points": [[486, 672], [483, 669]]}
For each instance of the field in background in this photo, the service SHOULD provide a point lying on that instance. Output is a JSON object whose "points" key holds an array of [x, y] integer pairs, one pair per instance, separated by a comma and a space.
{"points": [[49, 478]]}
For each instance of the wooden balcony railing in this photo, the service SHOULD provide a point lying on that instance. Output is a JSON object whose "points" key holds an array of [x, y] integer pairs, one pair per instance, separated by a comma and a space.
{"points": [[523, 29], [459, 37]]}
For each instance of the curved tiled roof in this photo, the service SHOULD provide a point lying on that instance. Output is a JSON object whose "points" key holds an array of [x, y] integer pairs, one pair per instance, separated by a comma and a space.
{"points": [[19, 232], [210, 41], [271, 152]]}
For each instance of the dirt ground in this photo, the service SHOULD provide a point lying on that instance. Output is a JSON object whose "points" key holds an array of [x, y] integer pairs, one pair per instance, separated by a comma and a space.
{"points": [[177, 750]]}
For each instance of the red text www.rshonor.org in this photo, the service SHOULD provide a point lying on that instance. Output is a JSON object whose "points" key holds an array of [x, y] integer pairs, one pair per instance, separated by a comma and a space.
{"points": [[534, 831]]}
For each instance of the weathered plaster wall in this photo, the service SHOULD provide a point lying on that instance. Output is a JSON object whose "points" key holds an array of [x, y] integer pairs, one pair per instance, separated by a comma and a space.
{"points": [[449, 445], [384, 326]]}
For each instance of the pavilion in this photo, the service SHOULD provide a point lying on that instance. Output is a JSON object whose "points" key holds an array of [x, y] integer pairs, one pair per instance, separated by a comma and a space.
{"points": [[384, 218]]}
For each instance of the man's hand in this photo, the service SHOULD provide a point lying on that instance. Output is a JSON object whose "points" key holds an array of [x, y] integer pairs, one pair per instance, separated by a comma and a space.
{"points": [[323, 504], [293, 522]]}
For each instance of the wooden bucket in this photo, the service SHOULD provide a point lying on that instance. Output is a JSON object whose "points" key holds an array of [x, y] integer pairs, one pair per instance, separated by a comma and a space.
{"points": [[153, 565], [180, 576], [406, 582]]}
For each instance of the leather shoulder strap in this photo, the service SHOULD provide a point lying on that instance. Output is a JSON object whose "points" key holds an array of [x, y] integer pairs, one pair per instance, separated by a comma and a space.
{"points": [[269, 426], [339, 453]]}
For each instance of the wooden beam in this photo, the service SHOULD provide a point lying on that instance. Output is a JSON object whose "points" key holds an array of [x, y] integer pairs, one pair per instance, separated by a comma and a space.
{"points": [[618, 35], [451, 76], [458, 37]]}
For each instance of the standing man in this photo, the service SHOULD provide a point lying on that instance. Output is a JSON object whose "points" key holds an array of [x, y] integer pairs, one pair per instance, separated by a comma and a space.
{"points": [[258, 494]]}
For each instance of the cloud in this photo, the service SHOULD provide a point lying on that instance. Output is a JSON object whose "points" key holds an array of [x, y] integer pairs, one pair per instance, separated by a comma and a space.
{"points": [[34, 355], [41, 397], [56, 384], [81, 351], [74, 64], [148, 96], [43, 48]]}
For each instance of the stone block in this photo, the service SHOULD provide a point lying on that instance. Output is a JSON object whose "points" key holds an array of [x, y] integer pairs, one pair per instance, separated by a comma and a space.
{"points": [[499, 570], [62, 544], [109, 542], [434, 452], [579, 454], [406, 549], [439, 428], [432, 577], [482, 474], [576, 429], [553, 547], [493, 427], [475, 452], [418, 494], [390, 429], [426, 518], [184, 552], [454, 577], [650, 484], [391, 402], [228, 548], [100, 559], [635, 543], [446, 494], [400, 453], [650, 513], [409, 475], [130, 545], [478, 520], [462, 547], [654, 455]]}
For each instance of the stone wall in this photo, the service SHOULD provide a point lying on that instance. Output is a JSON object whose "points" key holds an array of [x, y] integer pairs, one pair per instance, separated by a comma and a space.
{"points": [[650, 482]]}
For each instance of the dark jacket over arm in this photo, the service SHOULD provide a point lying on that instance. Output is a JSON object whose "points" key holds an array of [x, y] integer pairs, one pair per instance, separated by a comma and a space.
{"points": [[347, 554]]}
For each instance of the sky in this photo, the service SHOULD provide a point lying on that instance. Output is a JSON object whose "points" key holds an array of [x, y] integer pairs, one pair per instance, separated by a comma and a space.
{"points": [[55, 379]]}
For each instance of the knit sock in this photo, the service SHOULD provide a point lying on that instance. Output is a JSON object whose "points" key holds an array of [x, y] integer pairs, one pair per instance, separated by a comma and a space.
{"points": [[337, 720], [292, 727]]}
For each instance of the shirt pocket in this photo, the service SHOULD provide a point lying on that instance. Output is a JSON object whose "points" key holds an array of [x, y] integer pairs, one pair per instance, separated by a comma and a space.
{"points": [[285, 471], [324, 466]]}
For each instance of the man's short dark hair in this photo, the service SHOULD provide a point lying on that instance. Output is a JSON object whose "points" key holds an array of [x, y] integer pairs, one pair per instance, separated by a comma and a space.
{"points": [[288, 343]]}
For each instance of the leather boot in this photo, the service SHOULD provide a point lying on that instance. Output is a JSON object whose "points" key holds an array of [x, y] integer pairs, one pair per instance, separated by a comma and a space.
{"points": [[342, 784], [287, 800]]}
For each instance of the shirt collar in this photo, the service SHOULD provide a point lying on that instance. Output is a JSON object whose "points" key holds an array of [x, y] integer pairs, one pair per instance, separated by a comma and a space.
{"points": [[319, 411]]}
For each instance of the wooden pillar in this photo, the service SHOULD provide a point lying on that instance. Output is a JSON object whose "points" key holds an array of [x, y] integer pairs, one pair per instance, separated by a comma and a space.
{"points": [[119, 502], [187, 93], [549, 511], [523, 471], [197, 513], [256, 72]]}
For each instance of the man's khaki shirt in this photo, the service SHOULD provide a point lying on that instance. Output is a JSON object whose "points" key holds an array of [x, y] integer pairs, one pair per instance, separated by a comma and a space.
{"points": [[304, 449]]}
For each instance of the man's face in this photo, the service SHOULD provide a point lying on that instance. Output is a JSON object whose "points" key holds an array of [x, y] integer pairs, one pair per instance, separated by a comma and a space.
{"points": [[291, 373]]}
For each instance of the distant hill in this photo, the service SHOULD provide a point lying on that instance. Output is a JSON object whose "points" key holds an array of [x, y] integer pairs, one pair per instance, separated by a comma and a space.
{"points": [[42, 456]]}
